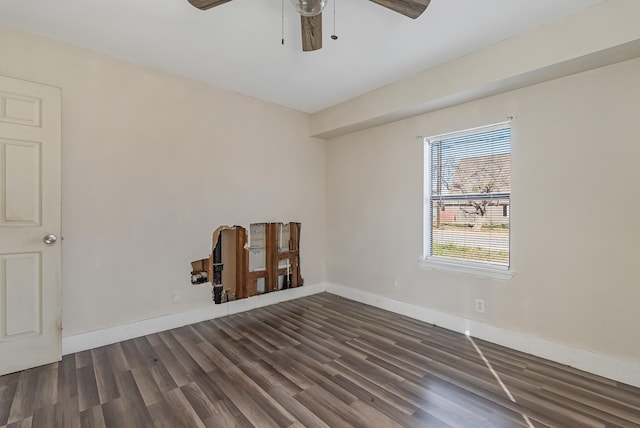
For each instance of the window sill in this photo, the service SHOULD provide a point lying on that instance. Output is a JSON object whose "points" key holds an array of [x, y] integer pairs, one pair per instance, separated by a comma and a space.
{"points": [[496, 272]]}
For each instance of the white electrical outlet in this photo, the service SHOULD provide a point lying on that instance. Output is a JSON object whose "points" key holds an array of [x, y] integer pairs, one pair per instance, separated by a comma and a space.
{"points": [[396, 281], [480, 306]]}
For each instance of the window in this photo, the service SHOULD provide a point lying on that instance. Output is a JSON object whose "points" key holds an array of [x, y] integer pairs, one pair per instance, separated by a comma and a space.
{"points": [[467, 179]]}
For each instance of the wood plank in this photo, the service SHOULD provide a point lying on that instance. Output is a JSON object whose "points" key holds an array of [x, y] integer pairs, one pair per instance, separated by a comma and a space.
{"points": [[93, 418], [328, 408], [198, 401], [87, 388], [242, 265], [67, 384], [46, 393], [181, 407], [227, 414], [272, 235], [207, 4], [408, 8], [294, 250], [104, 376], [7, 394], [126, 413], [68, 413], [24, 398], [311, 32], [45, 417], [24, 423], [149, 390]]}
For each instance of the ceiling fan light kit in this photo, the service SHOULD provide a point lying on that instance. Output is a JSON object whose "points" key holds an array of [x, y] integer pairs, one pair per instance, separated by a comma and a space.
{"points": [[310, 12], [309, 7]]}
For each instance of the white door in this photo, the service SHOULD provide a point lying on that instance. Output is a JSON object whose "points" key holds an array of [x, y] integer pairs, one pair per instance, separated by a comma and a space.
{"points": [[30, 324]]}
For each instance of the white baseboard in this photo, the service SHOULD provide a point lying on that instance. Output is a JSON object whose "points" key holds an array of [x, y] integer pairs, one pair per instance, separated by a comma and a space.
{"points": [[601, 365], [106, 336]]}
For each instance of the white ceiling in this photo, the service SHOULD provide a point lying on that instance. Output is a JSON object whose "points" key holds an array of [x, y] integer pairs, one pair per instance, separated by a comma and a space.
{"points": [[237, 45]]}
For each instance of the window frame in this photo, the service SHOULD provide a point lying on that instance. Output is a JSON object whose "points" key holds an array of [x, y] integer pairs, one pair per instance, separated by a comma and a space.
{"points": [[429, 261]]}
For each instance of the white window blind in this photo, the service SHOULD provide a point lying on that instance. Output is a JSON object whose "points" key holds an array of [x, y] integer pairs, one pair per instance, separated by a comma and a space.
{"points": [[467, 196]]}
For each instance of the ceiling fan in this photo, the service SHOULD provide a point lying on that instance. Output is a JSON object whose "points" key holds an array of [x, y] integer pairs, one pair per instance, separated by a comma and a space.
{"points": [[311, 15]]}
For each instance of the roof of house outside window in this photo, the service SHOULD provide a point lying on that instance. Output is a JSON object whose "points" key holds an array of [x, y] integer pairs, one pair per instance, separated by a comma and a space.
{"points": [[482, 174]]}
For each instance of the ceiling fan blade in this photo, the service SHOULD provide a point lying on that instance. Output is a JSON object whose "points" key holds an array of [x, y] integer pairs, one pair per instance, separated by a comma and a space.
{"points": [[410, 8], [311, 32], [207, 4]]}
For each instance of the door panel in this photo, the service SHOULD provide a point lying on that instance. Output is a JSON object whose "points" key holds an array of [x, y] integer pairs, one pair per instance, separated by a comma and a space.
{"points": [[20, 287], [30, 145], [21, 110], [21, 194]]}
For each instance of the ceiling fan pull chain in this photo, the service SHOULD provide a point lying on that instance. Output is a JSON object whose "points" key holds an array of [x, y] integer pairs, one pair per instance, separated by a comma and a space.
{"points": [[333, 36], [282, 10]]}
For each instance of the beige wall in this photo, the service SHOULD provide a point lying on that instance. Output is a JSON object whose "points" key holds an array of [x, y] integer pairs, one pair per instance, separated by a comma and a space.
{"points": [[152, 163], [575, 148]]}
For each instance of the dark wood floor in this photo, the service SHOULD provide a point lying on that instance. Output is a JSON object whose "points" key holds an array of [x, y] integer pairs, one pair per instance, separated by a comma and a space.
{"points": [[315, 362]]}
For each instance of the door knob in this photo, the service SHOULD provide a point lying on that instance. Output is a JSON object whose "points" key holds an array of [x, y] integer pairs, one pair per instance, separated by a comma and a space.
{"points": [[50, 239]]}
